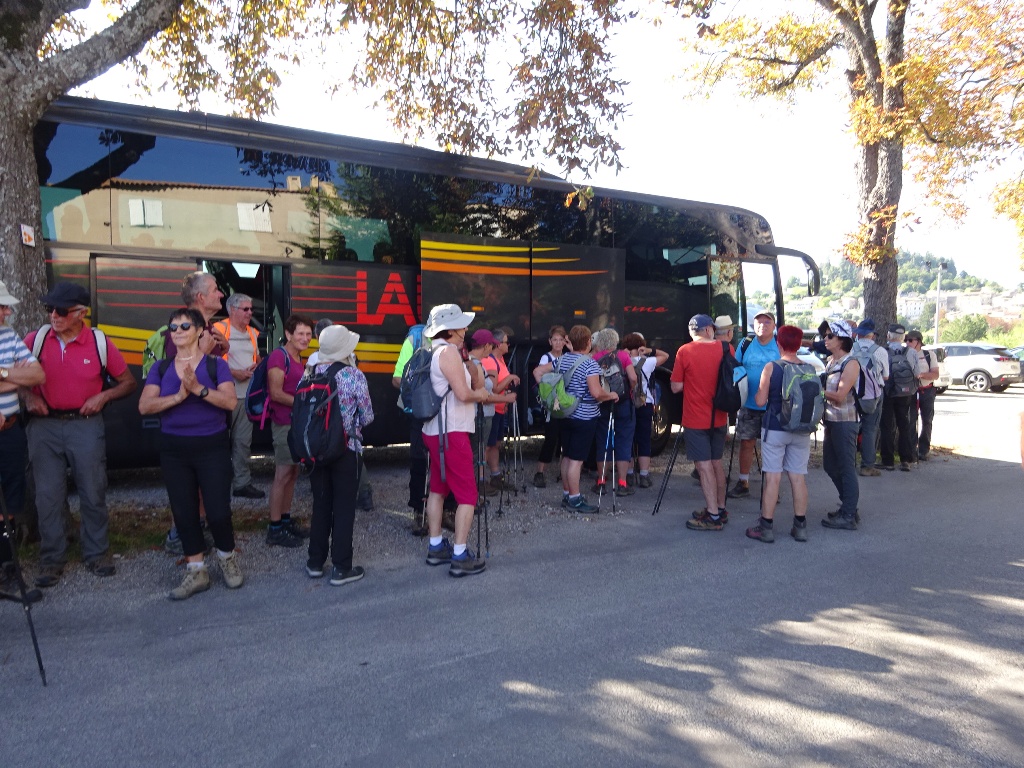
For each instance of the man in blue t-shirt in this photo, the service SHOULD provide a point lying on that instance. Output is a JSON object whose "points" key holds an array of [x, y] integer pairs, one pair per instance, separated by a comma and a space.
{"points": [[753, 354]]}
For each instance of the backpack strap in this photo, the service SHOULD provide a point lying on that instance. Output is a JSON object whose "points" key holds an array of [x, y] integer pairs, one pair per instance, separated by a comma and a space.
{"points": [[37, 342], [743, 347]]}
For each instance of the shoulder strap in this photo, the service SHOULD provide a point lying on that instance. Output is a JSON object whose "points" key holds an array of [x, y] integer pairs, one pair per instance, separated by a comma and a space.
{"points": [[567, 376], [211, 369], [37, 342], [744, 346], [101, 349]]}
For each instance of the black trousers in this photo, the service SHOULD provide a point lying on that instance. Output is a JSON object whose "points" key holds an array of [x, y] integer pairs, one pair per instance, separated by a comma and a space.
{"points": [[191, 465], [417, 465], [926, 402], [334, 511], [896, 418]]}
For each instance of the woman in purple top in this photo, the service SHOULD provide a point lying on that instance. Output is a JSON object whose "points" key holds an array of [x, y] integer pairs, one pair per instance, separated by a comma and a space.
{"points": [[195, 453]]}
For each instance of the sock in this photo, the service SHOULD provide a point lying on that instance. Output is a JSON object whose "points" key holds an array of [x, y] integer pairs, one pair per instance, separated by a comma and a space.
{"points": [[715, 517], [765, 522], [495, 474], [573, 497], [459, 549], [195, 566], [643, 473], [622, 482], [629, 473], [225, 555], [565, 494], [744, 478], [173, 533], [435, 541], [800, 519]]}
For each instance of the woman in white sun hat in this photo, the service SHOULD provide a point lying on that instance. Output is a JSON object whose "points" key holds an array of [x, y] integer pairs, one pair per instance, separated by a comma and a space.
{"points": [[452, 430]]}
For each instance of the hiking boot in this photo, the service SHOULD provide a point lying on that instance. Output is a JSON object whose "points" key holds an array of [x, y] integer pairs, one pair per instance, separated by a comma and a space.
{"points": [[565, 501], [740, 490], [840, 523], [799, 530], [839, 513], [699, 513], [490, 490], [196, 580], [440, 554], [466, 564], [364, 501], [600, 487], [103, 565], [631, 479], [539, 481], [624, 490], [48, 576], [249, 491], [580, 506], [922, 457], [340, 578], [419, 523], [314, 570], [759, 532], [283, 537], [499, 483], [888, 467], [904, 466], [295, 528], [644, 481], [705, 523], [869, 472], [9, 589], [231, 571], [172, 545]]}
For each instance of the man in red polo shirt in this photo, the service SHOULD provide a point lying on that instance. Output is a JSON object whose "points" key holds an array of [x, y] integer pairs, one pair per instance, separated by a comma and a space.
{"points": [[695, 374], [67, 429]]}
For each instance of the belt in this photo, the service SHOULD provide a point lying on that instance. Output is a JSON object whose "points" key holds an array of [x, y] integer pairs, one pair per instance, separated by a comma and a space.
{"points": [[9, 422], [68, 415]]}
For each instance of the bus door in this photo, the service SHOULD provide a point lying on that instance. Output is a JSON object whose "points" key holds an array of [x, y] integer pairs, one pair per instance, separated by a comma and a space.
{"points": [[667, 287], [377, 301], [760, 289], [577, 285], [265, 285]]}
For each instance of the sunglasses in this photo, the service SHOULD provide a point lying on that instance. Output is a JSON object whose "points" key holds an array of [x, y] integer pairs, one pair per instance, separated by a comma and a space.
{"points": [[61, 311], [830, 335], [183, 326], [245, 309]]}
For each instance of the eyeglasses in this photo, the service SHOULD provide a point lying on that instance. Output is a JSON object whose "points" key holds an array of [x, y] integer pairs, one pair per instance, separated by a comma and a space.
{"points": [[183, 326], [830, 335], [244, 309], [61, 311]]}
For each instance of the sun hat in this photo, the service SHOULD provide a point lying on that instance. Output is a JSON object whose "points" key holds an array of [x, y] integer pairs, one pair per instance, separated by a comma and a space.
{"points": [[915, 335], [65, 296], [337, 343], [724, 323], [5, 296], [840, 328], [700, 322], [447, 317]]}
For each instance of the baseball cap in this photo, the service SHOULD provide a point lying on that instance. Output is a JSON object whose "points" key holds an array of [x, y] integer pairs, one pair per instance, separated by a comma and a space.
{"points": [[897, 328], [867, 326], [483, 336], [700, 322], [765, 313], [65, 296]]}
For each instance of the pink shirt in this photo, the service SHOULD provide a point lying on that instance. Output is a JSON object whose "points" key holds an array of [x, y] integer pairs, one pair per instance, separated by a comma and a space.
{"points": [[73, 372]]}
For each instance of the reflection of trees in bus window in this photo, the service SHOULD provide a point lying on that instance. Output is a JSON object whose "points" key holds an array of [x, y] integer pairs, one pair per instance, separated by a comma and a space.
{"points": [[726, 282]]}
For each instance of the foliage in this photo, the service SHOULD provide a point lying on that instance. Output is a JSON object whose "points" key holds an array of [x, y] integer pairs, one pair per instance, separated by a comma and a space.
{"points": [[968, 328]]}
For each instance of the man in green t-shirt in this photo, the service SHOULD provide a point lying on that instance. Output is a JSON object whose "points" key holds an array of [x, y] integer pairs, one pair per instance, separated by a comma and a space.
{"points": [[417, 451]]}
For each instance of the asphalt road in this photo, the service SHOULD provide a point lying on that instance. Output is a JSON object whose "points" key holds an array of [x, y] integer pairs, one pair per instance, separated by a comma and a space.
{"points": [[615, 641]]}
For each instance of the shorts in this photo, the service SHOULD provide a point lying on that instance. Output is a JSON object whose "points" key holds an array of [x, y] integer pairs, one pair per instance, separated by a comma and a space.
{"points": [[459, 465], [705, 444], [785, 452], [577, 438], [497, 430], [748, 424], [282, 453]]}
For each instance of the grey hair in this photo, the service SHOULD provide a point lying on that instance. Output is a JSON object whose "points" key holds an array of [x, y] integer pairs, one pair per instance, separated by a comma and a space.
{"points": [[235, 299], [606, 339], [499, 335], [191, 284], [897, 337], [322, 324]]}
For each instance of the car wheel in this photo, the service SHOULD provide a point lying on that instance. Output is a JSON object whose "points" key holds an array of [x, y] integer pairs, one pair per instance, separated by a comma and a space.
{"points": [[977, 381], [940, 390], [1000, 388], [661, 430]]}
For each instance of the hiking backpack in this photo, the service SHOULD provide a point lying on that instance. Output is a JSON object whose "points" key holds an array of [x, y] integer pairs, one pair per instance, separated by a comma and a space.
{"points": [[902, 376], [317, 437], [100, 339], [257, 392], [803, 399], [418, 396], [727, 391], [613, 378], [553, 389], [156, 344], [868, 392]]}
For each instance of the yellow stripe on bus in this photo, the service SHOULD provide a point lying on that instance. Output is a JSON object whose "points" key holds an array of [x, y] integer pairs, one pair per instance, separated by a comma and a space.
{"points": [[119, 331]]}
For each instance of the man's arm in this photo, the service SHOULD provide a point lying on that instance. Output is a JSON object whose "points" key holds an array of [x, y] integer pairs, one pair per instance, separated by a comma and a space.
{"points": [[126, 384]]}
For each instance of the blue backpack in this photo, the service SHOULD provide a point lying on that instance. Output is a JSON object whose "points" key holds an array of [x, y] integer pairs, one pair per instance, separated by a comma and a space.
{"points": [[257, 394]]}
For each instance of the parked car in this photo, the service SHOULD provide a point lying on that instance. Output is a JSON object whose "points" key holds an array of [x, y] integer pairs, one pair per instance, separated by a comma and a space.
{"points": [[945, 380], [981, 367]]}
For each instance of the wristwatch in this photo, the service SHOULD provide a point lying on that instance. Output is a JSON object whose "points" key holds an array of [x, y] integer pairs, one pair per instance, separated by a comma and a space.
{"points": [[204, 392], [4, 373]]}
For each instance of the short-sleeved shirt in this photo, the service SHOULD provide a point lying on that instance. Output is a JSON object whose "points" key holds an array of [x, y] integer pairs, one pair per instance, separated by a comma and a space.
{"points": [[696, 367], [404, 356], [293, 370], [754, 357], [495, 365], [73, 369], [193, 416], [12, 350], [587, 407], [647, 368], [930, 363]]}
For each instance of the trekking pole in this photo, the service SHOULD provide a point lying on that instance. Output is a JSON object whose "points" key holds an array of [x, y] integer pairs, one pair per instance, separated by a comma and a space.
{"points": [[604, 460], [668, 472], [518, 462], [26, 604], [481, 497], [611, 432]]}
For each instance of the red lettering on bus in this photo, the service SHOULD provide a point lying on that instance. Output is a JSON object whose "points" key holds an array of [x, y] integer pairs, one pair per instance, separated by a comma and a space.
{"points": [[647, 309], [393, 301]]}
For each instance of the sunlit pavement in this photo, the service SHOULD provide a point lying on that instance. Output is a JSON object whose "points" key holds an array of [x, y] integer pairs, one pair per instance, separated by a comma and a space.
{"points": [[617, 641]]}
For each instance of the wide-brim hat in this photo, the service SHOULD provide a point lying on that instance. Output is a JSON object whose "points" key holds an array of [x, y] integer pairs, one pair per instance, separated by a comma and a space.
{"points": [[724, 323], [6, 299], [65, 295], [447, 317], [337, 343]]}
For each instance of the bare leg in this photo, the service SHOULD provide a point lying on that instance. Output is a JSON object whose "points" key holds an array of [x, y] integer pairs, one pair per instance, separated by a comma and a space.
{"points": [[571, 476], [283, 490], [799, 485], [435, 507], [463, 523], [746, 456], [709, 482], [771, 494]]}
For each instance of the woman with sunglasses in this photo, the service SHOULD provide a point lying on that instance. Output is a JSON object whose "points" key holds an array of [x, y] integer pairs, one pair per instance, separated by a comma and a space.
{"points": [[194, 393], [839, 449]]}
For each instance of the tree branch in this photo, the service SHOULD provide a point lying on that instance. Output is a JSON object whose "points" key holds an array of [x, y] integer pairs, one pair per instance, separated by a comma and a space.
{"points": [[799, 65]]}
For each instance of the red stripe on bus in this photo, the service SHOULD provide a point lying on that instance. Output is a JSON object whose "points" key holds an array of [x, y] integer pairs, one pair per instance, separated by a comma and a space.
{"points": [[139, 293]]}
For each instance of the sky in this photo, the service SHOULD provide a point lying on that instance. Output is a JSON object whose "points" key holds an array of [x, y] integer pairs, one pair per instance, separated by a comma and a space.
{"points": [[794, 165]]}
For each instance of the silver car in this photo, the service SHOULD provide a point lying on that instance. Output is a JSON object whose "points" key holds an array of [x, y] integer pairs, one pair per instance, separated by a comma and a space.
{"points": [[981, 367]]}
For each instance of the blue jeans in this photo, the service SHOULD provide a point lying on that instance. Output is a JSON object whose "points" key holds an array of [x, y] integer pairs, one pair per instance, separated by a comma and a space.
{"points": [[839, 458], [869, 437]]}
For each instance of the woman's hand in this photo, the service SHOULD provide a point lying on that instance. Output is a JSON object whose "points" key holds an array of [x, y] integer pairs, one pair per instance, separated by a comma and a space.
{"points": [[189, 380]]}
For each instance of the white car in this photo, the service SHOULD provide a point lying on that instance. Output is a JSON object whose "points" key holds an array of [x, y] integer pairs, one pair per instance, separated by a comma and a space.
{"points": [[980, 367]]}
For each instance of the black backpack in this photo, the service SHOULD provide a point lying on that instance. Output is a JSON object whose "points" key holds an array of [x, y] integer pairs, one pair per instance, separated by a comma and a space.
{"points": [[902, 376], [727, 392], [612, 374], [317, 437]]}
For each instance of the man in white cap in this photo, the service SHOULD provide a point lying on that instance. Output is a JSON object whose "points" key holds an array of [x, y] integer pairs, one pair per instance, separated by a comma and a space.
{"points": [[724, 327], [448, 437], [18, 368], [753, 354]]}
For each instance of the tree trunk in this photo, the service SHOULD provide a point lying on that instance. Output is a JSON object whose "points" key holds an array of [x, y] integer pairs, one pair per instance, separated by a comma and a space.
{"points": [[22, 266]]}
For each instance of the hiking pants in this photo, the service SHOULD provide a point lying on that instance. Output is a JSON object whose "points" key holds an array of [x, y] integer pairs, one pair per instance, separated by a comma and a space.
{"points": [[896, 418], [869, 436], [839, 459], [926, 399]]}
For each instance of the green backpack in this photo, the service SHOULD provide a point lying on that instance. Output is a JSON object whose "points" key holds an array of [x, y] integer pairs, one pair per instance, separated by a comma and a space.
{"points": [[552, 391], [154, 351]]}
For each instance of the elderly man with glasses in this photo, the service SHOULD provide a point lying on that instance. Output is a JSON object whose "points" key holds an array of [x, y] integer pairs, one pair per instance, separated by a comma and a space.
{"points": [[67, 429], [242, 357]]}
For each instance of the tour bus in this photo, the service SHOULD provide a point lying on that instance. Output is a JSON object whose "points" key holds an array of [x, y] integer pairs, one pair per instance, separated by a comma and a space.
{"points": [[372, 234]]}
